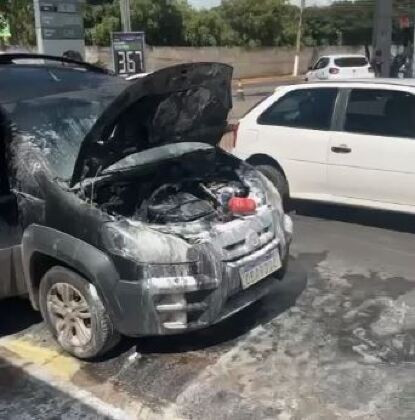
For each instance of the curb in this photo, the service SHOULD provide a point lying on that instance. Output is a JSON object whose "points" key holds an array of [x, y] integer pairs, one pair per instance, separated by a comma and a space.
{"points": [[58, 370]]}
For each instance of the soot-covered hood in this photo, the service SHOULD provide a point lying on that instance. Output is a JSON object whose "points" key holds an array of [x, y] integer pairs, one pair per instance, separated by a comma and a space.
{"points": [[185, 103]]}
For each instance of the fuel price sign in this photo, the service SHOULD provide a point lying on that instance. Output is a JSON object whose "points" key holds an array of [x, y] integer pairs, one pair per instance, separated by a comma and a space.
{"points": [[128, 52]]}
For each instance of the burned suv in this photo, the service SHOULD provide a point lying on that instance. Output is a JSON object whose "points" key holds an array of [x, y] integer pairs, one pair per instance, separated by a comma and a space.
{"points": [[118, 212]]}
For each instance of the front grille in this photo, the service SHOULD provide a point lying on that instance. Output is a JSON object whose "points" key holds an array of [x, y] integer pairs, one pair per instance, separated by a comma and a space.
{"points": [[237, 250], [241, 237]]}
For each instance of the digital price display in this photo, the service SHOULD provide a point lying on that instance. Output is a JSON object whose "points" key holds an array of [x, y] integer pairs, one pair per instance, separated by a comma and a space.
{"points": [[128, 51]]}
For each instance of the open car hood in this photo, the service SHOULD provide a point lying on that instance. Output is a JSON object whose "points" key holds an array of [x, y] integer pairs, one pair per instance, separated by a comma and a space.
{"points": [[185, 103]]}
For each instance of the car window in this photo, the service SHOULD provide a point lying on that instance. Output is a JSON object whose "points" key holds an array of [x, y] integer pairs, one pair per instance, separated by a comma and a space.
{"points": [[315, 67], [381, 113], [351, 62], [321, 64], [24, 82], [302, 108], [57, 124]]}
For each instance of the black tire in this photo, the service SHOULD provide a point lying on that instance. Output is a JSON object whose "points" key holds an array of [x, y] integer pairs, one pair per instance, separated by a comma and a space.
{"points": [[101, 336], [278, 179]]}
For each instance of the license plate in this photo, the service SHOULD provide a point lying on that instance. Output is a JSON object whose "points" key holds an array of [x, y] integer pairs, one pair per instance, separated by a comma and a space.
{"points": [[254, 274]]}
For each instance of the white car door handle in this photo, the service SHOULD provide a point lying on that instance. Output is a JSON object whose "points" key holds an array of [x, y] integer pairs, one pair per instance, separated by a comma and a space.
{"points": [[342, 148]]}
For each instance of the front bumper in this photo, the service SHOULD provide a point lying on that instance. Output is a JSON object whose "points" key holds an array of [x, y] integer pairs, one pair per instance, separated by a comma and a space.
{"points": [[162, 306]]}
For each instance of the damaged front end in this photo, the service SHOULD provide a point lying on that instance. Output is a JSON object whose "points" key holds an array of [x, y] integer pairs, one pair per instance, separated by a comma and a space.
{"points": [[189, 258], [175, 233]]}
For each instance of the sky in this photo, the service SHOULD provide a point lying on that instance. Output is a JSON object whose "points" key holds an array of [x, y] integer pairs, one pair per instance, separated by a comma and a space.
{"points": [[211, 3]]}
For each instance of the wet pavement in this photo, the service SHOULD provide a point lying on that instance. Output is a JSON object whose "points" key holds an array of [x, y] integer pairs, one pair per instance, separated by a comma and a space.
{"points": [[335, 340]]}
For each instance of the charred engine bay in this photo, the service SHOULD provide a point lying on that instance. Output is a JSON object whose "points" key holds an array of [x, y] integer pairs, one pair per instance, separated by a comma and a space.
{"points": [[196, 186]]}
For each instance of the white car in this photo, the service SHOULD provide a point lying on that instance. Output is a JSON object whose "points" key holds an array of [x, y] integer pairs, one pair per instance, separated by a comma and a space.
{"points": [[340, 67], [346, 142]]}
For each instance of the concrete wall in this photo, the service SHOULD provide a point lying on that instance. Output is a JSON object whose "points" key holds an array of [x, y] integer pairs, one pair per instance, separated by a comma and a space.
{"points": [[246, 62]]}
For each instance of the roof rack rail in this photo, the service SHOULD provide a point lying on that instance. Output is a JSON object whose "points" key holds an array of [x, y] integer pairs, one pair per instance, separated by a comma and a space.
{"points": [[9, 58]]}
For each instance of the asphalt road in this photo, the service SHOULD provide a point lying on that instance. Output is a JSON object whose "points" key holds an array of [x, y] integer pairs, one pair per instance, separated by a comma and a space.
{"points": [[253, 94], [335, 340]]}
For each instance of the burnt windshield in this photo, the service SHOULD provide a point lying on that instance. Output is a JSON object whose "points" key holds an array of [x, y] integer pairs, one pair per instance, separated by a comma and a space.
{"points": [[19, 82], [57, 124]]}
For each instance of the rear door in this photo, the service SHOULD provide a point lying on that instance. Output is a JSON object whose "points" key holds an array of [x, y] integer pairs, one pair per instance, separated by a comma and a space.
{"points": [[321, 69], [295, 131], [373, 157]]}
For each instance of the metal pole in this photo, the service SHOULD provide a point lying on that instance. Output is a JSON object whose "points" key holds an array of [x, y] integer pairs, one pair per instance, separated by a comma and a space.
{"points": [[125, 15], [298, 44], [382, 35]]}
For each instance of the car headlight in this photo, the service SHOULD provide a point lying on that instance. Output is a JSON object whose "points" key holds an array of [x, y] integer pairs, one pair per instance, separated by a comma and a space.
{"points": [[156, 254], [272, 195], [119, 241]]}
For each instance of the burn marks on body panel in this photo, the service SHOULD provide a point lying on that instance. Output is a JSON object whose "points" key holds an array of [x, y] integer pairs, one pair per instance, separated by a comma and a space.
{"points": [[149, 198], [186, 103]]}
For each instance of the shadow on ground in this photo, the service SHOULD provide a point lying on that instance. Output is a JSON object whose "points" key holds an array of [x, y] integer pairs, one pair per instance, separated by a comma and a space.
{"points": [[16, 315], [400, 222]]}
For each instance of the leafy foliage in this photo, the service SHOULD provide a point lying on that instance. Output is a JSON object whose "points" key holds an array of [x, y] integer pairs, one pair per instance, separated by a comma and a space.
{"points": [[342, 23], [249, 23], [21, 18], [260, 23], [252, 23], [101, 19]]}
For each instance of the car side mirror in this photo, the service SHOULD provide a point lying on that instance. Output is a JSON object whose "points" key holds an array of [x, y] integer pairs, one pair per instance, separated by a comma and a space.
{"points": [[309, 68]]}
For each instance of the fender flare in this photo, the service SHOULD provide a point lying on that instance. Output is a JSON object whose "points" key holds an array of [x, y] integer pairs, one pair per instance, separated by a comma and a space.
{"points": [[82, 257]]}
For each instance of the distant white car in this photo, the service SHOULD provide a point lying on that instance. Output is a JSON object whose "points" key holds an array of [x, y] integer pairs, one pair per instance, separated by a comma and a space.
{"points": [[340, 67], [347, 142]]}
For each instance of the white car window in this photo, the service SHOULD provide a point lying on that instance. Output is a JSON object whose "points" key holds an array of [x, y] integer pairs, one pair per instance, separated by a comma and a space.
{"points": [[351, 62], [322, 63], [381, 113], [302, 108]]}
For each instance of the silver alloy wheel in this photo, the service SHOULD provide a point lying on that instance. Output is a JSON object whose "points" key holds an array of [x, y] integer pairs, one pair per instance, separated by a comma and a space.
{"points": [[69, 312]]}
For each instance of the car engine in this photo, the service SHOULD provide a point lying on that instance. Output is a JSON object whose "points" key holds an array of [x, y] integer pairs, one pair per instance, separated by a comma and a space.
{"points": [[178, 191]]}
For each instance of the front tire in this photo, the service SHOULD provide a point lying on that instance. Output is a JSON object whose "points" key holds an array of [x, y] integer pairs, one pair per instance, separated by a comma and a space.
{"points": [[279, 181], [75, 314]]}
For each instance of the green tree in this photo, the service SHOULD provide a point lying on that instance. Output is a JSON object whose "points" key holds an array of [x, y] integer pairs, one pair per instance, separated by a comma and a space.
{"points": [[162, 20], [21, 18], [3, 22], [100, 21], [207, 28], [261, 23], [347, 22]]}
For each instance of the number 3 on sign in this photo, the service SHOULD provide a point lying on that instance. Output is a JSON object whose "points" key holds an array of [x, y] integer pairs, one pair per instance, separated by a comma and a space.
{"points": [[122, 62]]}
